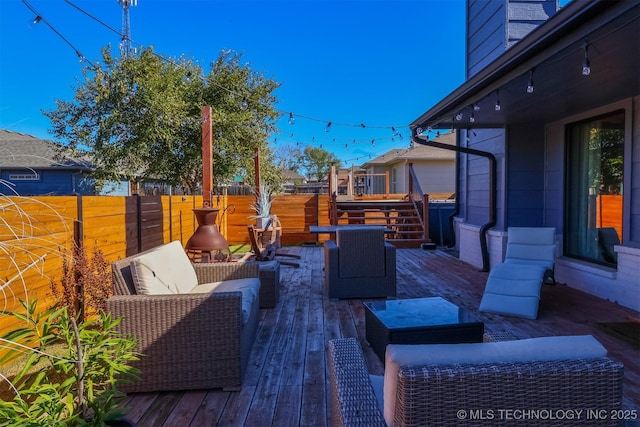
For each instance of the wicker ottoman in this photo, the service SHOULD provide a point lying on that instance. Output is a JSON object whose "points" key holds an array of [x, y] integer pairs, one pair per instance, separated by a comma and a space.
{"points": [[269, 283]]}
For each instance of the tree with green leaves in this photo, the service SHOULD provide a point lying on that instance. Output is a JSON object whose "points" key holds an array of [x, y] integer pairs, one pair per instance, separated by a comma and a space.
{"points": [[138, 118], [317, 162]]}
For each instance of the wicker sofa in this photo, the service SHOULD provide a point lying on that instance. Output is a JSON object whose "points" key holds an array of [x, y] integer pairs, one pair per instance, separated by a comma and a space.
{"points": [[196, 340], [433, 384]]}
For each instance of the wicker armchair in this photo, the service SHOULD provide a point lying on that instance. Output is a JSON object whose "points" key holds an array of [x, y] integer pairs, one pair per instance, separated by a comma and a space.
{"points": [[188, 341], [473, 394], [360, 264]]}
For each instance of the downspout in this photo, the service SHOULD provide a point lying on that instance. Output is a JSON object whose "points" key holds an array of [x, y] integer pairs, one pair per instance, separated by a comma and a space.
{"points": [[484, 247]]}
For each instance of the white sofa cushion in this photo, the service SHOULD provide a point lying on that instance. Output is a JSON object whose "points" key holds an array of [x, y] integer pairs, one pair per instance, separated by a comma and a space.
{"points": [[249, 287], [526, 350], [165, 270]]}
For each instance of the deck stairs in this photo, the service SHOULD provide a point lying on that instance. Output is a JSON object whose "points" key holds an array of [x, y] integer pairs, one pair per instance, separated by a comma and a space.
{"points": [[400, 215]]}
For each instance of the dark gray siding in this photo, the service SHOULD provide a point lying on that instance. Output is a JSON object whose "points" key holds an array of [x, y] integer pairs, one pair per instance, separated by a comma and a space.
{"points": [[486, 26], [525, 16], [495, 25], [477, 176], [525, 177]]}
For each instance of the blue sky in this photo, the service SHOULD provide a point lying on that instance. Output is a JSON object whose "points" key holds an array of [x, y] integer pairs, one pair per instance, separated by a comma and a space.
{"points": [[380, 63]]}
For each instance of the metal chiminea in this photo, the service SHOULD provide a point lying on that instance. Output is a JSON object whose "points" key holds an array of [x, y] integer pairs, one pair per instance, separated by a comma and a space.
{"points": [[207, 243]]}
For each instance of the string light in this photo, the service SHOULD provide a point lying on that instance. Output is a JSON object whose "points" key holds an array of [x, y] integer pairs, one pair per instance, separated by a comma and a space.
{"points": [[586, 65], [530, 87], [189, 76], [476, 107], [497, 106], [459, 116], [472, 118]]}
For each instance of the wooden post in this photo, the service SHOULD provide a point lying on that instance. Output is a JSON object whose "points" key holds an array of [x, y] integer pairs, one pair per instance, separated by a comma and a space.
{"points": [[207, 156], [256, 161]]}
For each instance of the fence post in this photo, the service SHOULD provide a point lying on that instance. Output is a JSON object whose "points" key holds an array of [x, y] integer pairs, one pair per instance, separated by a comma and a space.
{"points": [[139, 220], [78, 230]]}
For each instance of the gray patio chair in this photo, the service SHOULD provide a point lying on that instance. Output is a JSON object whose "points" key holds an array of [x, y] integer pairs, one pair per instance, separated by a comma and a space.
{"points": [[513, 287], [360, 263]]}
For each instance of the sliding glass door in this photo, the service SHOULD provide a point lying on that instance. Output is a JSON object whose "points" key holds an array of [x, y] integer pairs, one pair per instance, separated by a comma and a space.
{"points": [[594, 188]]}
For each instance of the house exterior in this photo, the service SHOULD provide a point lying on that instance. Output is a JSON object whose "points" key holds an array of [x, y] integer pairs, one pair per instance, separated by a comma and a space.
{"points": [[549, 135], [434, 169], [31, 167]]}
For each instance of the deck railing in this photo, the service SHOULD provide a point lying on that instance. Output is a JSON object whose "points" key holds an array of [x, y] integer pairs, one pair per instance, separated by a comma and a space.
{"points": [[419, 199]]}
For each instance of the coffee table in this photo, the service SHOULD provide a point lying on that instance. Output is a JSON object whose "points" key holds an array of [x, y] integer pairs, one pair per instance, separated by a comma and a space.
{"points": [[418, 321]]}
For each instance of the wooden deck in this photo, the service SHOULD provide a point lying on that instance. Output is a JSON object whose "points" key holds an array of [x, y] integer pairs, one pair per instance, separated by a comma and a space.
{"points": [[287, 380]]}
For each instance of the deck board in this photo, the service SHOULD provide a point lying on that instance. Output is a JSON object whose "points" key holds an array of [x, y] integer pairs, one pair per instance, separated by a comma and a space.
{"points": [[286, 383]]}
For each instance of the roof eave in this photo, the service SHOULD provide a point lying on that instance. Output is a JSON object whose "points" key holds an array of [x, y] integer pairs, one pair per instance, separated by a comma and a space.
{"points": [[515, 59]]}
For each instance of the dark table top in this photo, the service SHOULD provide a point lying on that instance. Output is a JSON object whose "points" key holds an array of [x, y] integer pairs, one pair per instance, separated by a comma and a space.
{"points": [[419, 312]]}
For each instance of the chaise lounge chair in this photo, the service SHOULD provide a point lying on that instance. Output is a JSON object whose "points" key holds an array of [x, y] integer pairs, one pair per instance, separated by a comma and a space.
{"points": [[513, 287]]}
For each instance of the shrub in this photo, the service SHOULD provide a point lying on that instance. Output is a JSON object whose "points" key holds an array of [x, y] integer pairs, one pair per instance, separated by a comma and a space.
{"points": [[78, 387]]}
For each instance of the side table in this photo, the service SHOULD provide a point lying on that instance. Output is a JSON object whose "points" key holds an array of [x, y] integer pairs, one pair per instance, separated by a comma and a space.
{"points": [[269, 273]]}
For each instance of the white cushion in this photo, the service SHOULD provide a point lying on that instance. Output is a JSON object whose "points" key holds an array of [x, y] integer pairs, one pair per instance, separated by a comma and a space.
{"points": [[526, 350], [249, 287], [165, 270]]}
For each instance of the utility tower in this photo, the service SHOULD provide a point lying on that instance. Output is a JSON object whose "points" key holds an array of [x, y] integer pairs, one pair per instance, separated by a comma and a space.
{"points": [[126, 48]]}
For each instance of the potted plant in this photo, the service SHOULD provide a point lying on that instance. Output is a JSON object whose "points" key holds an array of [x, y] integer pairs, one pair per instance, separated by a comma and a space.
{"points": [[262, 208]]}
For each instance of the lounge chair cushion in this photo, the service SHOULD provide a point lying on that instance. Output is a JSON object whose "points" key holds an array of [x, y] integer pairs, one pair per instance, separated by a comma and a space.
{"points": [[249, 287], [526, 350], [513, 289], [531, 246], [165, 270]]}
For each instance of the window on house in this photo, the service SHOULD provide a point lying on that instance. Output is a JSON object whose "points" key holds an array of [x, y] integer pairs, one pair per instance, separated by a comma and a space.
{"points": [[595, 160], [32, 176]]}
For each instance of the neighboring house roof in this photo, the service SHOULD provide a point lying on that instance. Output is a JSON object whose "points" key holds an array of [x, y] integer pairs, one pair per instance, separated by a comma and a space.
{"points": [[418, 152], [290, 175], [19, 150]]}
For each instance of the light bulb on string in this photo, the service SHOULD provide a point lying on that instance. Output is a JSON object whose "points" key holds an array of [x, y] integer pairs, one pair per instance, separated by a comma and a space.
{"points": [[472, 118], [292, 119], [530, 87], [244, 104], [497, 107], [328, 127], [476, 107], [37, 19], [419, 130], [459, 116], [586, 64]]}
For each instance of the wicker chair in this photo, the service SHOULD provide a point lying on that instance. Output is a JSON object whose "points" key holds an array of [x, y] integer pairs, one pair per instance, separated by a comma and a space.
{"points": [[360, 264], [473, 394], [187, 341]]}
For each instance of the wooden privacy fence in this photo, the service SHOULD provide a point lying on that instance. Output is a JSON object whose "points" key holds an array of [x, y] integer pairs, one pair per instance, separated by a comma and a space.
{"points": [[36, 233]]}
